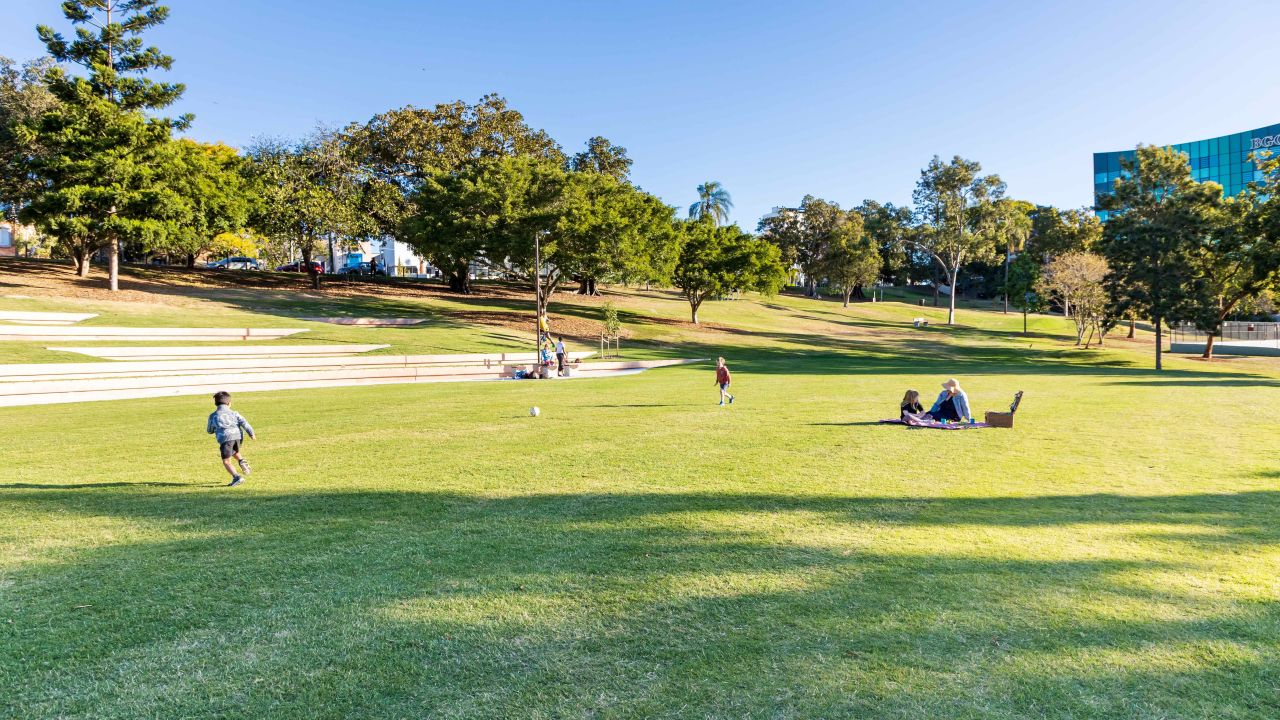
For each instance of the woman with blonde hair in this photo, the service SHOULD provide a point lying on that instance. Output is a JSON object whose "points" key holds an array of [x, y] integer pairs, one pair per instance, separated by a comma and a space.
{"points": [[952, 404]]}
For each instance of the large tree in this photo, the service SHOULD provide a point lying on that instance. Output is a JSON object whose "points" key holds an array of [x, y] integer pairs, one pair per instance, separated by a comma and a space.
{"points": [[404, 149], [1009, 222], [805, 235], [952, 204], [609, 230], [1238, 260], [1076, 278], [100, 144], [24, 98], [714, 203], [1159, 216], [889, 227], [716, 260], [307, 195], [207, 193], [852, 259]]}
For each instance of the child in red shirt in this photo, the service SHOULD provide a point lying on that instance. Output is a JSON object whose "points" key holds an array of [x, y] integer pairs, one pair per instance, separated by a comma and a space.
{"points": [[723, 379]]}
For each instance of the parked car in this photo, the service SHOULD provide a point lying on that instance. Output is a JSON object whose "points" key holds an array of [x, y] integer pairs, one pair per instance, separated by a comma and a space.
{"points": [[236, 263], [302, 267], [363, 268]]}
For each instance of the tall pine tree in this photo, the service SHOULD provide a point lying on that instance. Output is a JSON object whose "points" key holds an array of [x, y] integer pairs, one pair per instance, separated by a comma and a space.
{"points": [[101, 141]]}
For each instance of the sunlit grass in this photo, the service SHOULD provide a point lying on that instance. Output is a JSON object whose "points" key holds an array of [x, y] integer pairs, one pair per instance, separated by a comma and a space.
{"points": [[638, 552]]}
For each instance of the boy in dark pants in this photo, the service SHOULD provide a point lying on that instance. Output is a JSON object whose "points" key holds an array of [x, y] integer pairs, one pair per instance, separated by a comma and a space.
{"points": [[228, 427]]}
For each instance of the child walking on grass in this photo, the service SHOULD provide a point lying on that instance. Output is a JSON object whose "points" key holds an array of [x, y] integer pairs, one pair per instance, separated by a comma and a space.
{"points": [[228, 427], [723, 379]]}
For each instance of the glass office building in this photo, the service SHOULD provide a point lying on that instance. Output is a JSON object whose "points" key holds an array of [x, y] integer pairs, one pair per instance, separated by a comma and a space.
{"points": [[1224, 160]]}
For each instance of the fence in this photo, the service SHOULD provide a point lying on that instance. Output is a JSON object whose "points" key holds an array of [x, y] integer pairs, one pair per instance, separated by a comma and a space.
{"points": [[1253, 334]]}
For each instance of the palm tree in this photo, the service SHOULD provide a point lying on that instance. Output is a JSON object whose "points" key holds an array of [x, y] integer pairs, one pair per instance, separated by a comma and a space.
{"points": [[713, 202]]}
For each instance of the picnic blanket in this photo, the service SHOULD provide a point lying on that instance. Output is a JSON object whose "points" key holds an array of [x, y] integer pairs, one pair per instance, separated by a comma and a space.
{"points": [[934, 424]]}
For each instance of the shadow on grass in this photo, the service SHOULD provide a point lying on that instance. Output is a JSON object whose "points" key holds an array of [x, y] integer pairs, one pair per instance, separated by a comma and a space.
{"points": [[634, 605]]}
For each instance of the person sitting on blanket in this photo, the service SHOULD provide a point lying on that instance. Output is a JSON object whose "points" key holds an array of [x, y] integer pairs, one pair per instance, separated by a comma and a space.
{"points": [[952, 404], [911, 405]]}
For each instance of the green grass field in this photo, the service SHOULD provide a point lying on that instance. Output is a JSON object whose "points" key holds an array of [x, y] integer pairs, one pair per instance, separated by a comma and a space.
{"points": [[638, 552]]}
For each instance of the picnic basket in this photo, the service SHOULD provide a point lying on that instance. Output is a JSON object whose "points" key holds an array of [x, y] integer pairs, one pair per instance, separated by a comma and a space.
{"points": [[1004, 419]]}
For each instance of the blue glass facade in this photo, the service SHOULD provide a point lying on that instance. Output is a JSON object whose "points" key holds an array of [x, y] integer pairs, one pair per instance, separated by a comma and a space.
{"points": [[1224, 160]]}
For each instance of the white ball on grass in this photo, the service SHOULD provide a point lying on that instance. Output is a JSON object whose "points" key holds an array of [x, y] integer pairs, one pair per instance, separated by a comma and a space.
{"points": [[534, 411]]}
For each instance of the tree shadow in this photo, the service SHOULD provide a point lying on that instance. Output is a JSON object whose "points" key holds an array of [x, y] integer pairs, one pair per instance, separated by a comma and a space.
{"points": [[630, 605]]}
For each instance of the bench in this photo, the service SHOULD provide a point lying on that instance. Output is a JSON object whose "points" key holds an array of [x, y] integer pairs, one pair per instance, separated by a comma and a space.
{"points": [[920, 322]]}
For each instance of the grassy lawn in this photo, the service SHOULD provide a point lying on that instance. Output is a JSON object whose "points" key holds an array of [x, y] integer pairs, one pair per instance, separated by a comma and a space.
{"points": [[639, 552]]}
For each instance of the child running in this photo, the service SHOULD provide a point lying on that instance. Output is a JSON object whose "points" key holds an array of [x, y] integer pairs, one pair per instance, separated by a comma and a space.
{"points": [[723, 379], [226, 427]]}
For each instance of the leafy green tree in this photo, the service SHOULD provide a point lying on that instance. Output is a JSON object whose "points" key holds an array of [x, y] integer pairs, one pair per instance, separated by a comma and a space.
{"points": [[852, 259], [713, 202], [24, 98], [602, 156], [1056, 232], [952, 204], [609, 230], [99, 143], [1008, 221], [488, 212], [1159, 215], [404, 149], [889, 227], [1024, 277], [208, 194], [307, 194], [805, 235], [1239, 259], [1077, 279], [716, 260]]}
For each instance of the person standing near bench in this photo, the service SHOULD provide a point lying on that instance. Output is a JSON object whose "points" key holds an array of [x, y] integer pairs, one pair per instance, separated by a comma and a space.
{"points": [[560, 353], [952, 404]]}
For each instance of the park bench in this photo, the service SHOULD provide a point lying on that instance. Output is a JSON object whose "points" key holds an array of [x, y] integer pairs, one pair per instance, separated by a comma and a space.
{"points": [[920, 322]]}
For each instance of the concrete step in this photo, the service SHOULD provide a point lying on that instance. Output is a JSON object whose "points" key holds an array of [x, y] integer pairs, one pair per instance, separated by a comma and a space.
{"points": [[44, 318], [76, 389], [34, 333], [367, 321], [209, 352]]}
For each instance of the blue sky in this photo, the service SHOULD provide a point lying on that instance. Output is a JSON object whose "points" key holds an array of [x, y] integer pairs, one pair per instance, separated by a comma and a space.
{"points": [[844, 100]]}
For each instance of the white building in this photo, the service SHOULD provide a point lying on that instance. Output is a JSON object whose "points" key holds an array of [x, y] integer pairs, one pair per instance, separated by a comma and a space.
{"points": [[394, 257]]}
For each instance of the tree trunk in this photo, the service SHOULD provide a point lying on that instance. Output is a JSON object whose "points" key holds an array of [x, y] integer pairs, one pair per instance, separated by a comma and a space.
{"points": [[311, 269], [1208, 347], [951, 299], [460, 277], [191, 261], [847, 293], [1159, 341], [1133, 327], [587, 286], [1006, 284], [81, 259], [113, 265], [1024, 319]]}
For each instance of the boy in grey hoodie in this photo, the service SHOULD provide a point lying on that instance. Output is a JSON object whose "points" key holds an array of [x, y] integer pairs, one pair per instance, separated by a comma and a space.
{"points": [[228, 427]]}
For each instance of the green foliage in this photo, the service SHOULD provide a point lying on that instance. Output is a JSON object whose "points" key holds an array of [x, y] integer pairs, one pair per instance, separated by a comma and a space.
{"points": [[489, 212], [805, 236], [207, 194], [717, 260], [612, 324], [1159, 216], [953, 206], [889, 227], [608, 230], [714, 203], [602, 156], [98, 149], [853, 259], [308, 192], [404, 149], [1055, 232], [24, 97]]}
